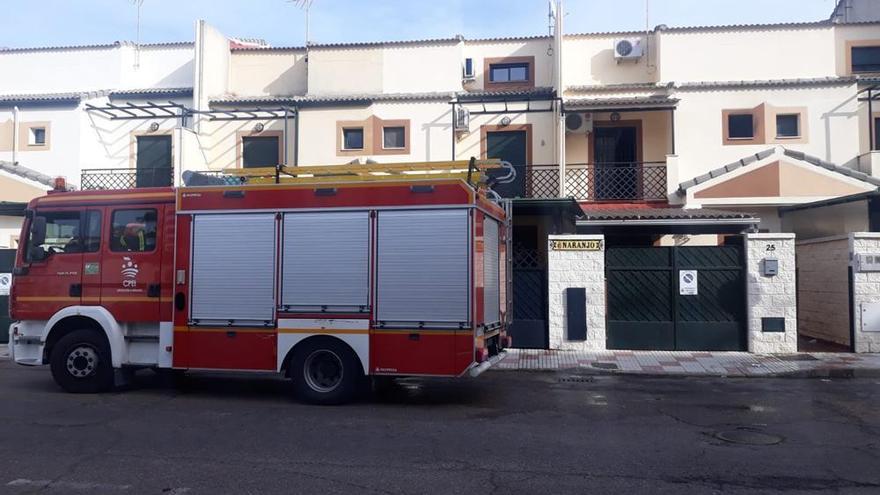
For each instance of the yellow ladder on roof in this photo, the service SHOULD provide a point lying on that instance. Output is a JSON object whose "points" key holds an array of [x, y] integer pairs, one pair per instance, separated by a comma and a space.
{"points": [[459, 169]]}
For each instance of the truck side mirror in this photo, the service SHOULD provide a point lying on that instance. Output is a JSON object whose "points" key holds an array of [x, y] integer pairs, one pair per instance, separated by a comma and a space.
{"points": [[37, 238]]}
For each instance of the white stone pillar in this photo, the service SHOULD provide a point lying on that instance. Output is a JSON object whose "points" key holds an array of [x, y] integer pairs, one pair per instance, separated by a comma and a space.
{"points": [[576, 265], [866, 292], [771, 296]]}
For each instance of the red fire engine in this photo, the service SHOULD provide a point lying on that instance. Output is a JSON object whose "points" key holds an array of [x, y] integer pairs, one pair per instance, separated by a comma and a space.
{"points": [[325, 274]]}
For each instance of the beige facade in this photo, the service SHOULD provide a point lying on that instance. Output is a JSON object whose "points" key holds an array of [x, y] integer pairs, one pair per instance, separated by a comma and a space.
{"points": [[676, 101], [697, 100]]}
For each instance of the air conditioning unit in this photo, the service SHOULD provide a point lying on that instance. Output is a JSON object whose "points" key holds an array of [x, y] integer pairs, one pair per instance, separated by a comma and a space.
{"points": [[468, 70], [628, 49], [462, 119], [580, 123]]}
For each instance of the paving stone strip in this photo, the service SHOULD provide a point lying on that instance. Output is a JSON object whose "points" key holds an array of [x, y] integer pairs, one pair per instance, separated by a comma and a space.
{"points": [[702, 363]]}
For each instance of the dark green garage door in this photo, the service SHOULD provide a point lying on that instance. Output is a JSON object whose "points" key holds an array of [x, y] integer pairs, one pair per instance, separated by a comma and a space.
{"points": [[676, 298], [7, 260]]}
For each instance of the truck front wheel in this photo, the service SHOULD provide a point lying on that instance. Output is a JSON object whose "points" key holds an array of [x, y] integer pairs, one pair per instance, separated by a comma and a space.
{"points": [[81, 363], [325, 372]]}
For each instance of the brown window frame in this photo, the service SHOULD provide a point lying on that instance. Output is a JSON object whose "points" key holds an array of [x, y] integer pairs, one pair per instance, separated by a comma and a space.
{"points": [[374, 132], [508, 85], [849, 45], [758, 126]]}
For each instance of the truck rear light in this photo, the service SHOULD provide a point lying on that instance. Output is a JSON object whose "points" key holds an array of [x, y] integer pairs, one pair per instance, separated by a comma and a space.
{"points": [[481, 354]]}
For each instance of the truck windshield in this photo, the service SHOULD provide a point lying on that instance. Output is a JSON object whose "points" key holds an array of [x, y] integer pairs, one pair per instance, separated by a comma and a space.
{"points": [[62, 235]]}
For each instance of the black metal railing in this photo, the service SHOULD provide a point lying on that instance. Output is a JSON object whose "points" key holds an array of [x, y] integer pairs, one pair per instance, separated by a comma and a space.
{"points": [[629, 181], [126, 178]]}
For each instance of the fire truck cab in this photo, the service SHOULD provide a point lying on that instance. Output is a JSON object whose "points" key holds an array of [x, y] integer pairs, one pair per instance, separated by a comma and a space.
{"points": [[326, 274]]}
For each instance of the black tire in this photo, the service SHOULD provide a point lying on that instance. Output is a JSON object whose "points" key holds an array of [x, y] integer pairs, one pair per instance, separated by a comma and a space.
{"points": [[325, 371], [81, 363]]}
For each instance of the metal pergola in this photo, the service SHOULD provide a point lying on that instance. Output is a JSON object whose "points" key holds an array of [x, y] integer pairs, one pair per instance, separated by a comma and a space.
{"points": [[170, 109], [148, 110], [480, 101]]}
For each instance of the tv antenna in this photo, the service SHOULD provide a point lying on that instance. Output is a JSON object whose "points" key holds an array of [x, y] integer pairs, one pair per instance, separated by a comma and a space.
{"points": [[305, 5], [137, 40]]}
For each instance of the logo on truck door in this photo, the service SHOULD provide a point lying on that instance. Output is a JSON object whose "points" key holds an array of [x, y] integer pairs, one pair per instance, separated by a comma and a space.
{"points": [[129, 273]]}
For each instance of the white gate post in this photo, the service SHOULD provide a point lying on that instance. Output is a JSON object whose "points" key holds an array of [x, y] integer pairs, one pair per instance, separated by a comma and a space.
{"points": [[772, 299], [576, 261]]}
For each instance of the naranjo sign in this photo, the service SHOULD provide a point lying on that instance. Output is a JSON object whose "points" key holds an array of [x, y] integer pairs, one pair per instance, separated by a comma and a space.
{"points": [[575, 245]]}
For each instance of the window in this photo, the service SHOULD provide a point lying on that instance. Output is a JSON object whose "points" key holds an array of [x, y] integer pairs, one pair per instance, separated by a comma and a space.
{"points": [[259, 151], [133, 230], [353, 138], [394, 137], [37, 136], [500, 73], [740, 126], [92, 235], [788, 125], [62, 235], [866, 59]]}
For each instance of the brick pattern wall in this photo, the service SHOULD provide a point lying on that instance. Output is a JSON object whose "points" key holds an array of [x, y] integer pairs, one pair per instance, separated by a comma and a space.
{"points": [[576, 269], [823, 289], [866, 289], [774, 296]]}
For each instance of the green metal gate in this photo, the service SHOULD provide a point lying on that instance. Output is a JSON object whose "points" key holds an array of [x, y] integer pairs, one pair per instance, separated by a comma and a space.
{"points": [[7, 260], [676, 298]]}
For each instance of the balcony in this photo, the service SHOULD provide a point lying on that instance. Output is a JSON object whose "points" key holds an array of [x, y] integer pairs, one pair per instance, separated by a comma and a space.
{"points": [[624, 181], [125, 178]]}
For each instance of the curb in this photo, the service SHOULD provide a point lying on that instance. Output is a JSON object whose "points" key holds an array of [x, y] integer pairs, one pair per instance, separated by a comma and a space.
{"points": [[819, 373]]}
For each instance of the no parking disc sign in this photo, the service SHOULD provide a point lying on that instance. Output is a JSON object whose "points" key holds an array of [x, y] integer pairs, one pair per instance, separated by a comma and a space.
{"points": [[5, 283], [688, 282]]}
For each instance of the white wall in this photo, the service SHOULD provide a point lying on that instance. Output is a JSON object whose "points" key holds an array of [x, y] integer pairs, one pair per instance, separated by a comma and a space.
{"points": [[543, 134], [832, 127], [10, 228], [212, 61], [420, 69], [480, 50], [56, 71], [60, 156], [748, 54], [158, 67], [430, 128], [589, 60], [95, 69], [267, 72]]}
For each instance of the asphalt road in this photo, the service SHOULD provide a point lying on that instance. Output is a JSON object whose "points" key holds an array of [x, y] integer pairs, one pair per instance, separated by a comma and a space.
{"points": [[506, 432]]}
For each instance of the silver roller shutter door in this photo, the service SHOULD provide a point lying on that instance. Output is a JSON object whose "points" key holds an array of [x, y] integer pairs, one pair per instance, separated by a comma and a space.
{"points": [[233, 268], [491, 262], [422, 267], [326, 261]]}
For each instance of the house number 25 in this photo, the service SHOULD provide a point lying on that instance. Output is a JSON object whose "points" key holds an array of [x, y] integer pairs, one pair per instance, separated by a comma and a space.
{"points": [[771, 248]]}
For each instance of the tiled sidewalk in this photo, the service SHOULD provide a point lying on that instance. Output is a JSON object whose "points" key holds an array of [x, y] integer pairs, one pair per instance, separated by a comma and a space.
{"points": [[692, 363]]}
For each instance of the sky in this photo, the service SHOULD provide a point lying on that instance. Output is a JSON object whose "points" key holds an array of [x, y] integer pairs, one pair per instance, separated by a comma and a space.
{"points": [[282, 23]]}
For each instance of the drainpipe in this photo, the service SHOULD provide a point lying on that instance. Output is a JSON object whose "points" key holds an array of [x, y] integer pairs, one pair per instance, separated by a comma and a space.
{"points": [[560, 89], [16, 118]]}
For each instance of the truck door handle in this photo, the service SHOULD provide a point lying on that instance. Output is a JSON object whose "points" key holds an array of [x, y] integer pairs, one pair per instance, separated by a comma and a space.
{"points": [[154, 290], [76, 290]]}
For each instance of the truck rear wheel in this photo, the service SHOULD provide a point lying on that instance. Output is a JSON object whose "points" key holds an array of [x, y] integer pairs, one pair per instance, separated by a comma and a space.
{"points": [[81, 363], [325, 372]]}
